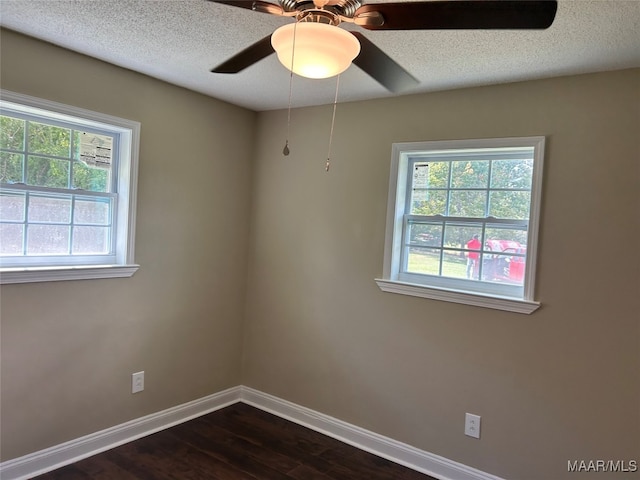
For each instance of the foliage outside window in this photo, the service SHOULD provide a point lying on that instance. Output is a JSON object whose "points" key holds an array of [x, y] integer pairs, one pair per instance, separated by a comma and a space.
{"points": [[67, 191], [463, 219]]}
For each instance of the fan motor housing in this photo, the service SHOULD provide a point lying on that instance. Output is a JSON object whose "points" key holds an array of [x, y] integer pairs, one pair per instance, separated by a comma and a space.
{"points": [[319, 16], [345, 8]]}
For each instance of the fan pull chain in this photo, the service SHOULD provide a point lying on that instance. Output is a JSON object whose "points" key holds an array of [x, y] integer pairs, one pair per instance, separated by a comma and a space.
{"points": [[285, 150], [333, 121]]}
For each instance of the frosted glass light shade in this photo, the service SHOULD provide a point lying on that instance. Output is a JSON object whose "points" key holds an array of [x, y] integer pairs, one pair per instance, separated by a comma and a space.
{"points": [[322, 50]]}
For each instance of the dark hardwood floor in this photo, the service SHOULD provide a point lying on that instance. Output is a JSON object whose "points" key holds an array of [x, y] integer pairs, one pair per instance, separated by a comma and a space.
{"points": [[236, 443]]}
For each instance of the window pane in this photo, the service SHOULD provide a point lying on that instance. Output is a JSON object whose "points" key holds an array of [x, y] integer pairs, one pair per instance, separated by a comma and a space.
{"points": [[11, 236], [505, 235], [50, 209], [94, 149], [420, 175], [94, 179], [424, 260], [47, 239], [11, 133], [47, 172], [470, 174], [511, 173], [467, 203], [425, 234], [429, 202], [454, 264], [458, 236], [90, 211], [503, 269], [90, 240], [509, 204], [49, 139], [11, 167], [12, 206], [438, 174]]}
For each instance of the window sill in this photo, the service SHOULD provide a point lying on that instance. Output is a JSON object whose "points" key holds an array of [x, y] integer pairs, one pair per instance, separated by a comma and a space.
{"points": [[498, 303], [52, 274]]}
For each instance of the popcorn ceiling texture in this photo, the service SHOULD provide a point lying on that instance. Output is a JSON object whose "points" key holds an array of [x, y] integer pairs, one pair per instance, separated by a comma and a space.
{"points": [[180, 41]]}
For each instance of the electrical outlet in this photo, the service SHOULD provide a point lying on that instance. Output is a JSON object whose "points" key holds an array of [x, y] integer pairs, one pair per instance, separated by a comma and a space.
{"points": [[472, 425], [137, 382]]}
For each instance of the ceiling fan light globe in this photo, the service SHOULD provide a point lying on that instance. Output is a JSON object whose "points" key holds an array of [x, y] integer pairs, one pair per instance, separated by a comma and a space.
{"points": [[321, 50]]}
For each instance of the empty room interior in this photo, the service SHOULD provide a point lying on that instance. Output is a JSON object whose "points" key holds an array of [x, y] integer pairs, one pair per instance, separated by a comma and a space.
{"points": [[269, 279]]}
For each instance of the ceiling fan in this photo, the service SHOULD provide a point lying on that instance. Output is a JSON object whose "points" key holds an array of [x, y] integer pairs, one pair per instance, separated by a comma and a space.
{"points": [[316, 29]]}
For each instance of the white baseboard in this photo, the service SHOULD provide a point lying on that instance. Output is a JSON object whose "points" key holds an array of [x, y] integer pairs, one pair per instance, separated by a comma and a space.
{"points": [[36, 463], [398, 452]]}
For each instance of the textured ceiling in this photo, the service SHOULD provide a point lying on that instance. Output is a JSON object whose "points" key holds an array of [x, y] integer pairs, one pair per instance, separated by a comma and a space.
{"points": [[180, 41]]}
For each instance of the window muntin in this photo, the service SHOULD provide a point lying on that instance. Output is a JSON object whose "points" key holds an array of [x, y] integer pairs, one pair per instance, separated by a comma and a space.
{"points": [[443, 194], [67, 190]]}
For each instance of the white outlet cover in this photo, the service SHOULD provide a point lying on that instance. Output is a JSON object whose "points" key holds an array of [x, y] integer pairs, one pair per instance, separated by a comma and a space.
{"points": [[472, 425], [137, 382]]}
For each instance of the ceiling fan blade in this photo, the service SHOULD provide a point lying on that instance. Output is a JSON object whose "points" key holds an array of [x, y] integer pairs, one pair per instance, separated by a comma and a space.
{"points": [[247, 57], [381, 67], [460, 14], [255, 5]]}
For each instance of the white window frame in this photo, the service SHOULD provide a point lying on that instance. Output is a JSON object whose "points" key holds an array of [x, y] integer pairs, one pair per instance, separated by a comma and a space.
{"points": [[122, 263], [466, 292]]}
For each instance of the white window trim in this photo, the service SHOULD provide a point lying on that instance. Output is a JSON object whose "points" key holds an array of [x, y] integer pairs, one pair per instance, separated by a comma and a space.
{"points": [[129, 130], [390, 281]]}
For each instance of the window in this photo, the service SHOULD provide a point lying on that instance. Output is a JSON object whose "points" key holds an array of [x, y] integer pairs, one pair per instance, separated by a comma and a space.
{"points": [[462, 221], [67, 192]]}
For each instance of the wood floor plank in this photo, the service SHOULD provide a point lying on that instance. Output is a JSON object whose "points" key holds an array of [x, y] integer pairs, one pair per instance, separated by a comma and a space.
{"points": [[276, 438], [170, 455], [371, 466], [227, 454], [253, 447], [99, 467], [70, 472], [239, 442], [304, 472]]}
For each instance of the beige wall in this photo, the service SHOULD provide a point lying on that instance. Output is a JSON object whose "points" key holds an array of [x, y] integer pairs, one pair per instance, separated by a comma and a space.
{"points": [[561, 384], [69, 348]]}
